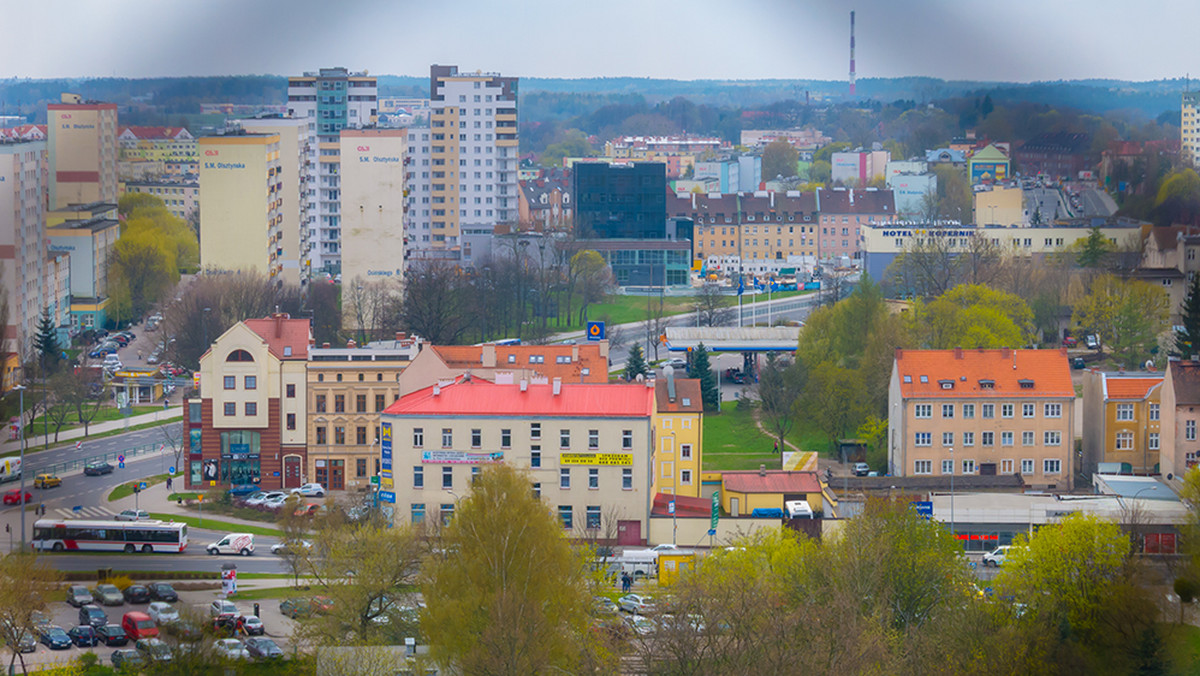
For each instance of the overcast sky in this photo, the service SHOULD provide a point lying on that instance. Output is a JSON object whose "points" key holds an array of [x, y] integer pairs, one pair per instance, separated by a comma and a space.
{"points": [[1014, 40]]}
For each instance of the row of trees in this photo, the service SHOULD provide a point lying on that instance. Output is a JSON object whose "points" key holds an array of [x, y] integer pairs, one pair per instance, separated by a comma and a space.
{"points": [[154, 249]]}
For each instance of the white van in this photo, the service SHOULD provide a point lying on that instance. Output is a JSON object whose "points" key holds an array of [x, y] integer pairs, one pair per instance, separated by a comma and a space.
{"points": [[798, 509], [10, 469], [234, 543], [111, 360]]}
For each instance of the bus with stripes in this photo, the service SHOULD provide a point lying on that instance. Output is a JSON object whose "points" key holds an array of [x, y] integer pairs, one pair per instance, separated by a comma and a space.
{"points": [[110, 536]]}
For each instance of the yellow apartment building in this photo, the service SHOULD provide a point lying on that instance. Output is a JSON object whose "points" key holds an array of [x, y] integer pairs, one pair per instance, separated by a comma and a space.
{"points": [[982, 412], [1123, 412], [678, 434], [241, 225], [83, 151], [295, 181]]}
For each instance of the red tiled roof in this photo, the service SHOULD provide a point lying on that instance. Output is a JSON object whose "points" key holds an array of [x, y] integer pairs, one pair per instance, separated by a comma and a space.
{"points": [[1130, 388], [475, 396], [281, 331], [773, 481], [928, 371], [863, 202], [685, 506], [471, 357], [685, 388]]}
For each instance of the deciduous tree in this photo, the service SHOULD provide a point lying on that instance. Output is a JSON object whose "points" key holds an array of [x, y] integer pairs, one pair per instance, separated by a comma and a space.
{"points": [[973, 316], [26, 583], [780, 383], [779, 158], [1129, 315]]}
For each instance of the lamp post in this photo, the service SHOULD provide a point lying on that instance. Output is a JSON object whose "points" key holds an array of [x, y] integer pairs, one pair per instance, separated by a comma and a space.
{"points": [[21, 417]]}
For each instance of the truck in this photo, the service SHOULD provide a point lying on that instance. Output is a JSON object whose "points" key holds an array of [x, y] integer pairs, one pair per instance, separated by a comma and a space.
{"points": [[10, 469]]}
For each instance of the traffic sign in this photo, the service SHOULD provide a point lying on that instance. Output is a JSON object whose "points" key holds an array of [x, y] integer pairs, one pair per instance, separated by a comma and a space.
{"points": [[121, 465], [142, 485], [924, 508], [712, 532], [387, 496], [121, 458], [171, 469], [374, 481], [595, 331], [671, 507]]}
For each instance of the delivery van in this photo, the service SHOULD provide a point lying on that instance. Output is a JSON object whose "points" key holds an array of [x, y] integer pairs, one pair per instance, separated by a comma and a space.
{"points": [[234, 543]]}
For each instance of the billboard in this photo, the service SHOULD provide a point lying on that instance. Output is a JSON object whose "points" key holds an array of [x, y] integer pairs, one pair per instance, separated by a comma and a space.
{"points": [[595, 459], [461, 457], [994, 171]]}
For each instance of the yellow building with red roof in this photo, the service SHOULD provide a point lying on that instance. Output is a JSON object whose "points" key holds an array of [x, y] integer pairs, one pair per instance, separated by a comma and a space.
{"points": [[1123, 412]]}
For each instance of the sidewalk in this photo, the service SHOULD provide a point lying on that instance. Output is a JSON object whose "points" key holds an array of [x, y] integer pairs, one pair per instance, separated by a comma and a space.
{"points": [[32, 440]]}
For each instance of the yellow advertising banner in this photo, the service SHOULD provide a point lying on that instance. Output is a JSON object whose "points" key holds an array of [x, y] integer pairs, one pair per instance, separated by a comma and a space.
{"points": [[595, 458]]}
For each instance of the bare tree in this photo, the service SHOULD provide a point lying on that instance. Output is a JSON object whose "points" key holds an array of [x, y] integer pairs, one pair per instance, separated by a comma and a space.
{"points": [[712, 307], [780, 384], [435, 302], [368, 309], [656, 323]]}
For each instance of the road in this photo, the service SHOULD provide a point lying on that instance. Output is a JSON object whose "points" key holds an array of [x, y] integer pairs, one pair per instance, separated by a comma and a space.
{"points": [[1096, 203], [1046, 201], [99, 447]]}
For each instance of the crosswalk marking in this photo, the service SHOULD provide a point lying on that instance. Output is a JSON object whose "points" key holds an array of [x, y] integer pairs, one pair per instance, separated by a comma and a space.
{"points": [[86, 512]]}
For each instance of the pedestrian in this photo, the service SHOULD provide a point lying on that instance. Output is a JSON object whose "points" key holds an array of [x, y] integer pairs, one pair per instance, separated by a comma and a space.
{"points": [[166, 403], [776, 448], [168, 483]]}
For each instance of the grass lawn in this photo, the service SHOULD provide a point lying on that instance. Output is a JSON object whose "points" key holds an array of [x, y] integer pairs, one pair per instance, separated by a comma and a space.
{"points": [[126, 489], [1183, 647], [105, 414], [809, 437], [214, 524], [732, 441]]}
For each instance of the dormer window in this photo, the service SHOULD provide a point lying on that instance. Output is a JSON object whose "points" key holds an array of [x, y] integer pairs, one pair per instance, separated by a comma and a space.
{"points": [[946, 384], [908, 379], [987, 384], [1025, 384], [924, 379], [687, 401], [287, 350]]}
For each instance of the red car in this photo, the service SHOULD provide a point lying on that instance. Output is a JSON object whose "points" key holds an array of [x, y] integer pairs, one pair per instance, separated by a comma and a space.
{"points": [[308, 510], [13, 497], [1070, 341]]}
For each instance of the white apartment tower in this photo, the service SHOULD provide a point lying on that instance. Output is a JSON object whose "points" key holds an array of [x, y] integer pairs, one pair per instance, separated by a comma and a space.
{"points": [[1189, 129], [331, 99], [23, 172], [463, 174]]}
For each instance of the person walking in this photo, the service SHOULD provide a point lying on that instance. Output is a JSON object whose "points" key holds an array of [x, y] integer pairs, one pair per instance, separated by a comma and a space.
{"points": [[168, 483]]}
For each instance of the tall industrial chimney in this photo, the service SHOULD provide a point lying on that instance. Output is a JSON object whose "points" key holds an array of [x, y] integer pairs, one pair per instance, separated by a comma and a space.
{"points": [[851, 53]]}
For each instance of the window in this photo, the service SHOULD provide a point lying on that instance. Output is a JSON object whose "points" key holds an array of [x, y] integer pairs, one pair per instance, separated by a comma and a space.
{"points": [[1152, 441], [968, 438], [447, 510], [251, 408], [230, 382], [339, 435], [593, 478], [987, 438], [1154, 411], [379, 403], [947, 410], [923, 411], [291, 391], [593, 517], [360, 402], [251, 382], [1051, 466], [535, 458], [535, 430], [418, 437], [564, 477], [195, 411], [505, 438], [418, 476], [1124, 411], [1027, 410], [537, 490], [321, 438], [968, 410], [1189, 430], [627, 479], [923, 439], [1124, 441], [291, 421], [476, 438], [447, 438], [360, 466], [418, 512], [685, 452], [360, 435], [1027, 466], [1006, 410], [230, 408], [320, 403], [1027, 438], [1006, 466], [339, 403], [947, 467], [564, 515], [1006, 438], [989, 411], [685, 477], [1052, 438], [593, 439], [627, 439], [564, 438], [968, 466], [947, 438], [1052, 410], [447, 477], [922, 467]]}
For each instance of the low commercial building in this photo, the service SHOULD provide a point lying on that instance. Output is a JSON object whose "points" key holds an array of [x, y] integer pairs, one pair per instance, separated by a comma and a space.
{"points": [[1124, 414], [582, 363]]}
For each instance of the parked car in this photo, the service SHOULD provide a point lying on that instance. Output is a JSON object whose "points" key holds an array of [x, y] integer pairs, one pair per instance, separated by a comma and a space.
{"points": [[230, 648], [138, 626], [254, 500], [93, 615], [39, 620], [296, 607], [310, 509], [161, 591], [162, 612], [222, 608], [83, 636], [636, 603], [602, 605], [1078, 363], [78, 595], [282, 547], [861, 469], [108, 594], [996, 556], [46, 481], [1070, 341], [137, 593], [242, 490], [310, 490], [275, 501], [26, 643], [641, 625], [13, 497], [263, 648], [133, 515], [54, 638], [677, 363], [153, 649], [1093, 342], [253, 626], [97, 468], [127, 660], [665, 547], [112, 635]]}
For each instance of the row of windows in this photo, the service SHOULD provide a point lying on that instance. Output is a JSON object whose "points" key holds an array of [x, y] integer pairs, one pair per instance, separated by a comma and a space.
{"points": [[1049, 438], [988, 411], [361, 377], [1125, 411], [1049, 466], [535, 434], [1124, 441], [339, 435], [564, 477], [566, 515], [339, 403]]}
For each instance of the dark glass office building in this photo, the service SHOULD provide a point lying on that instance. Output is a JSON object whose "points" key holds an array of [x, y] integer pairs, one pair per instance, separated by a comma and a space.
{"points": [[620, 201]]}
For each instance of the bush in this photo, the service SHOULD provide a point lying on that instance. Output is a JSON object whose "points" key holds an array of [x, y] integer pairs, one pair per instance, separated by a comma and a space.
{"points": [[120, 581], [1187, 589]]}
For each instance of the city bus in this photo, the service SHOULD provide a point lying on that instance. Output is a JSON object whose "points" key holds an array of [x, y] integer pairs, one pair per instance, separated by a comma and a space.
{"points": [[110, 536]]}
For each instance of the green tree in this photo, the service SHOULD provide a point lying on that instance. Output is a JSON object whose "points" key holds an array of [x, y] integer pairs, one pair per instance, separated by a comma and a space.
{"points": [[142, 269], [700, 367], [26, 585], [1093, 250], [507, 594], [779, 158], [780, 383], [46, 342], [973, 316], [1129, 316], [635, 363], [835, 400], [574, 143], [1178, 199], [1187, 337]]}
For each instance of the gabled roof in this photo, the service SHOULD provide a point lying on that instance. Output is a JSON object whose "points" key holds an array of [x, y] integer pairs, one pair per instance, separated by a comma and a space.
{"points": [[1135, 387], [686, 390], [983, 373], [155, 133], [855, 201], [477, 397], [546, 364], [281, 332], [990, 153], [1185, 380], [771, 481], [685, 506]]}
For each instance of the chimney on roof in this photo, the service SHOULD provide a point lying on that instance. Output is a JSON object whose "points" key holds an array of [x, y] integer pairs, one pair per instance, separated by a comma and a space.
{"points": [[669, 372], [762, 470], [556, 384], [350, 344], [524, 385], [899, 354], [325, 345], [400, 335], [958, 353], [278, 325], [437, 389]]}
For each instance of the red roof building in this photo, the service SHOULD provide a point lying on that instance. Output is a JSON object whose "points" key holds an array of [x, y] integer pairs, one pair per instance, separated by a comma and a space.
{"points": [[1123, 412]]}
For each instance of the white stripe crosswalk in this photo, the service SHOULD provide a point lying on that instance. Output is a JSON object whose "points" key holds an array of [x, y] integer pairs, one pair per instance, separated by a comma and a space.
{"points": [[85, 513]]}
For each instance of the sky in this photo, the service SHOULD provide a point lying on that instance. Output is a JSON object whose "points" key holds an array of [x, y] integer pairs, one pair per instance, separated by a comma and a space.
{"points": [[1014, 40]]}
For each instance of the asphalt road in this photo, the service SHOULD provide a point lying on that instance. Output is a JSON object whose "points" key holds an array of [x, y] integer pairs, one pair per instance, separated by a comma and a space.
{"points": [[1095, 204], [35, 459]]}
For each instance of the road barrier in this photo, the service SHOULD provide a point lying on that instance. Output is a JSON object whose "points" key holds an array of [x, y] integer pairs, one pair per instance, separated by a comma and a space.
{"points": [[111, 457]]}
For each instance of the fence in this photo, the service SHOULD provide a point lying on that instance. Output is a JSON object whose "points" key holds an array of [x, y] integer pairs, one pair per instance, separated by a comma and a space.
{"points": [[110, 457]]}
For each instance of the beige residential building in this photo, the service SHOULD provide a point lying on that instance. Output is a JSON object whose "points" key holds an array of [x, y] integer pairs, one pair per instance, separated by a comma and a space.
{"points": [[1181, 416], [587, 448], [295, 180], [83, 151], [982, 412], [241, 225], [22, 248]]}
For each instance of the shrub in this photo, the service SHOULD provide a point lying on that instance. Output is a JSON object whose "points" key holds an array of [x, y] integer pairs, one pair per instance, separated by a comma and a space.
{"points": [[120, 581]]}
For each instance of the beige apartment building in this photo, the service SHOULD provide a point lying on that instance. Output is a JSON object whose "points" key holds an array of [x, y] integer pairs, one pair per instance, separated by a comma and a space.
{"points": [[982, 412], [83, 151], [241, 225], [295, 180], [586, 446], [1181, 416]]}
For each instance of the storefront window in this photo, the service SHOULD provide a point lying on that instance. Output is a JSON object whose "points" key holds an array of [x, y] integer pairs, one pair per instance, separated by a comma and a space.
{"points": [[239, 457], [194, 437], [197, 478]]}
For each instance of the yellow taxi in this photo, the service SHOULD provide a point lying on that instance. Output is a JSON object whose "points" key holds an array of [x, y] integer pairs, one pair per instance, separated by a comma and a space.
{"points": [[46, 481]]}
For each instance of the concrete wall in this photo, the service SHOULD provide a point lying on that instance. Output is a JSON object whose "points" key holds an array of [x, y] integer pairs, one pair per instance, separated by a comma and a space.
{"points": [[693, 532]]}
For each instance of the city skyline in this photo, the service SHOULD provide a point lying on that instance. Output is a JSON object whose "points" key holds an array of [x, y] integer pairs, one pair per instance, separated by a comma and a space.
{"points": [[1022, 41]]}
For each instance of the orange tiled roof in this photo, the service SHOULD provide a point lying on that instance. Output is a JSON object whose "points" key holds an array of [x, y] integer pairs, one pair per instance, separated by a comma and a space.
{"points": [[965, 373], [471, 357], [1130, 388], [281, 331]]}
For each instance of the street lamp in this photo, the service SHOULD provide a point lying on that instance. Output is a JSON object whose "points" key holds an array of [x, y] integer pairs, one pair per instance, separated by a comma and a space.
{"points": [[21, 501]]}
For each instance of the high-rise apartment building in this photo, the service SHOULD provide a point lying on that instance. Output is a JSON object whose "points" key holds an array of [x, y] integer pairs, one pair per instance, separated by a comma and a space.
{"points": [[83, 151], [241, 225], [331, 99], [295, 142], [463, 177], [1189, 129], [22, 247]]}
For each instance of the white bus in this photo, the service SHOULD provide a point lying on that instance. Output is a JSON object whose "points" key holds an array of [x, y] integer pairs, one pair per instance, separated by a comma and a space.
{"points": [[110, 536]]}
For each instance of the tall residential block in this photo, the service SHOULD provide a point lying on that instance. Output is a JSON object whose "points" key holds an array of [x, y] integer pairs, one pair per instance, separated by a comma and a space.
{"points": [[241, 225], [295, 144], [88, 233], [1189, 129], [83, 151], [331, 99], [464, 172], [22, 248]]}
